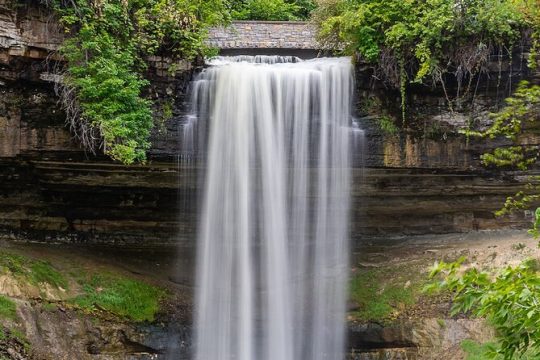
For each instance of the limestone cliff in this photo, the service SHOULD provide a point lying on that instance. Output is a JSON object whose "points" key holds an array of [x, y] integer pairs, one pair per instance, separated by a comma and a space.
{"points": [[50, 190]]}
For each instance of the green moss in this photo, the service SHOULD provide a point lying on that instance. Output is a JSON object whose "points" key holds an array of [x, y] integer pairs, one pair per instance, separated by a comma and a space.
{"points": [[124, 297], [382, 293], [8, 309], [34, 271]]}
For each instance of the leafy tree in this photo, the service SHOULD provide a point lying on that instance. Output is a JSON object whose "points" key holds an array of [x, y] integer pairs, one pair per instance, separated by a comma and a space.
{"points": [[283, 10], [106, 45]]}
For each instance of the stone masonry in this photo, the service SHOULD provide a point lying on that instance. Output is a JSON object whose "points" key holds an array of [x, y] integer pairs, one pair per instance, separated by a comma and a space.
{"points": [[265, 35]]}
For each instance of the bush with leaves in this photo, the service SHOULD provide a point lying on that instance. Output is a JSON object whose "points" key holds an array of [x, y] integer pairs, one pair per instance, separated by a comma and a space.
{"points": [[105, 49], [509, 299]]}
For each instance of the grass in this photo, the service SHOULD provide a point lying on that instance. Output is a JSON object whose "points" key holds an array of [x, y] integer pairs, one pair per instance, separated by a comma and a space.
{"points": [[8, 309], [124, 297], [381, 293], [34, 271]]}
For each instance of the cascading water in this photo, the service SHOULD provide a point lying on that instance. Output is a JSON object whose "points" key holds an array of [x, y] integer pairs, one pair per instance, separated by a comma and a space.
{"points": [[274, 134]]}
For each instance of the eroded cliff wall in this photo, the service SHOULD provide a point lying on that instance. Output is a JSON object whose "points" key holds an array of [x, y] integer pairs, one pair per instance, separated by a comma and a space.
{"points": [[51, 190]]}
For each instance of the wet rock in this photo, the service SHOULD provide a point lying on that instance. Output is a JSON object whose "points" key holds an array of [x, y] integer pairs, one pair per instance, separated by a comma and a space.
{"points": [[416, 339]]}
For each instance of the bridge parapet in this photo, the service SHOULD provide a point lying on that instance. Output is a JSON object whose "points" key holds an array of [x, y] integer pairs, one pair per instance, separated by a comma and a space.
{"points": [[288, 35]]}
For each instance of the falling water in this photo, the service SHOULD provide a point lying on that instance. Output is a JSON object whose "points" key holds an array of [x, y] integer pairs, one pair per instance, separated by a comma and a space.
{"points": [[274, 136]]}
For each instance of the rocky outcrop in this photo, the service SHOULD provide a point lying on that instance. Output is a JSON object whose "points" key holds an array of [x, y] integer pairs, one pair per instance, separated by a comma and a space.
{"points": [[27, 30], [418, 339]]}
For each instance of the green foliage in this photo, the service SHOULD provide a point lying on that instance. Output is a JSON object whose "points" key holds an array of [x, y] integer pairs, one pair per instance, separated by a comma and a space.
{"points": [[105, 48], [476, 351], [428, 32], [124, 297], [521, 108], [34, 271], [514, 157], [283, 10], [8, 309], [305, 8], [387, 125], [535, 231], [372, 106], [510, 299], [488, 351], [409, 41]]}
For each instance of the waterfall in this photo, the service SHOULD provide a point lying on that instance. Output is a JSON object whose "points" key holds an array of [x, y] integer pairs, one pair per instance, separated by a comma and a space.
{"points": [[273, 134]]}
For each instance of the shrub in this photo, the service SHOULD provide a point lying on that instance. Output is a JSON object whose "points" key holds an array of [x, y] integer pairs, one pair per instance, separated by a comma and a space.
{"points": [[510, 300]]}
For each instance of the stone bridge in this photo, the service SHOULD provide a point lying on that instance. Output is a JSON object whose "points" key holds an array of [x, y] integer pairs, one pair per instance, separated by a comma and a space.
{"points": [[265, 37]]}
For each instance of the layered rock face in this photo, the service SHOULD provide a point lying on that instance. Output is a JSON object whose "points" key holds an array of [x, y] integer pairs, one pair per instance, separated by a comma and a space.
{"points": [[51, 190]]}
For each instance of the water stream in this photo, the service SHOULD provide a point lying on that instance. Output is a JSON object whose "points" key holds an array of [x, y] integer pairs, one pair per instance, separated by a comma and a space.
{"points": [[274, 136]]}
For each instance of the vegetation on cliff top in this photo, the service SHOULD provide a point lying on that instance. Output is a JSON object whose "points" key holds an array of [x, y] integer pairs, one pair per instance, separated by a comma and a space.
{"points": [[107, 43], [105, 48], [425, 41]]}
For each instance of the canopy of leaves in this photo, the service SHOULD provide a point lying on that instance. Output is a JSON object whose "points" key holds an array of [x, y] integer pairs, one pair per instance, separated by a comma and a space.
{"points": [[283, 10], [422, 37], [106, 44]]}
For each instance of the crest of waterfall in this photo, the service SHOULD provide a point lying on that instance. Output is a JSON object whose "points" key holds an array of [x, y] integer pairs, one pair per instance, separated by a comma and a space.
{"points": [[274, 135]]}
